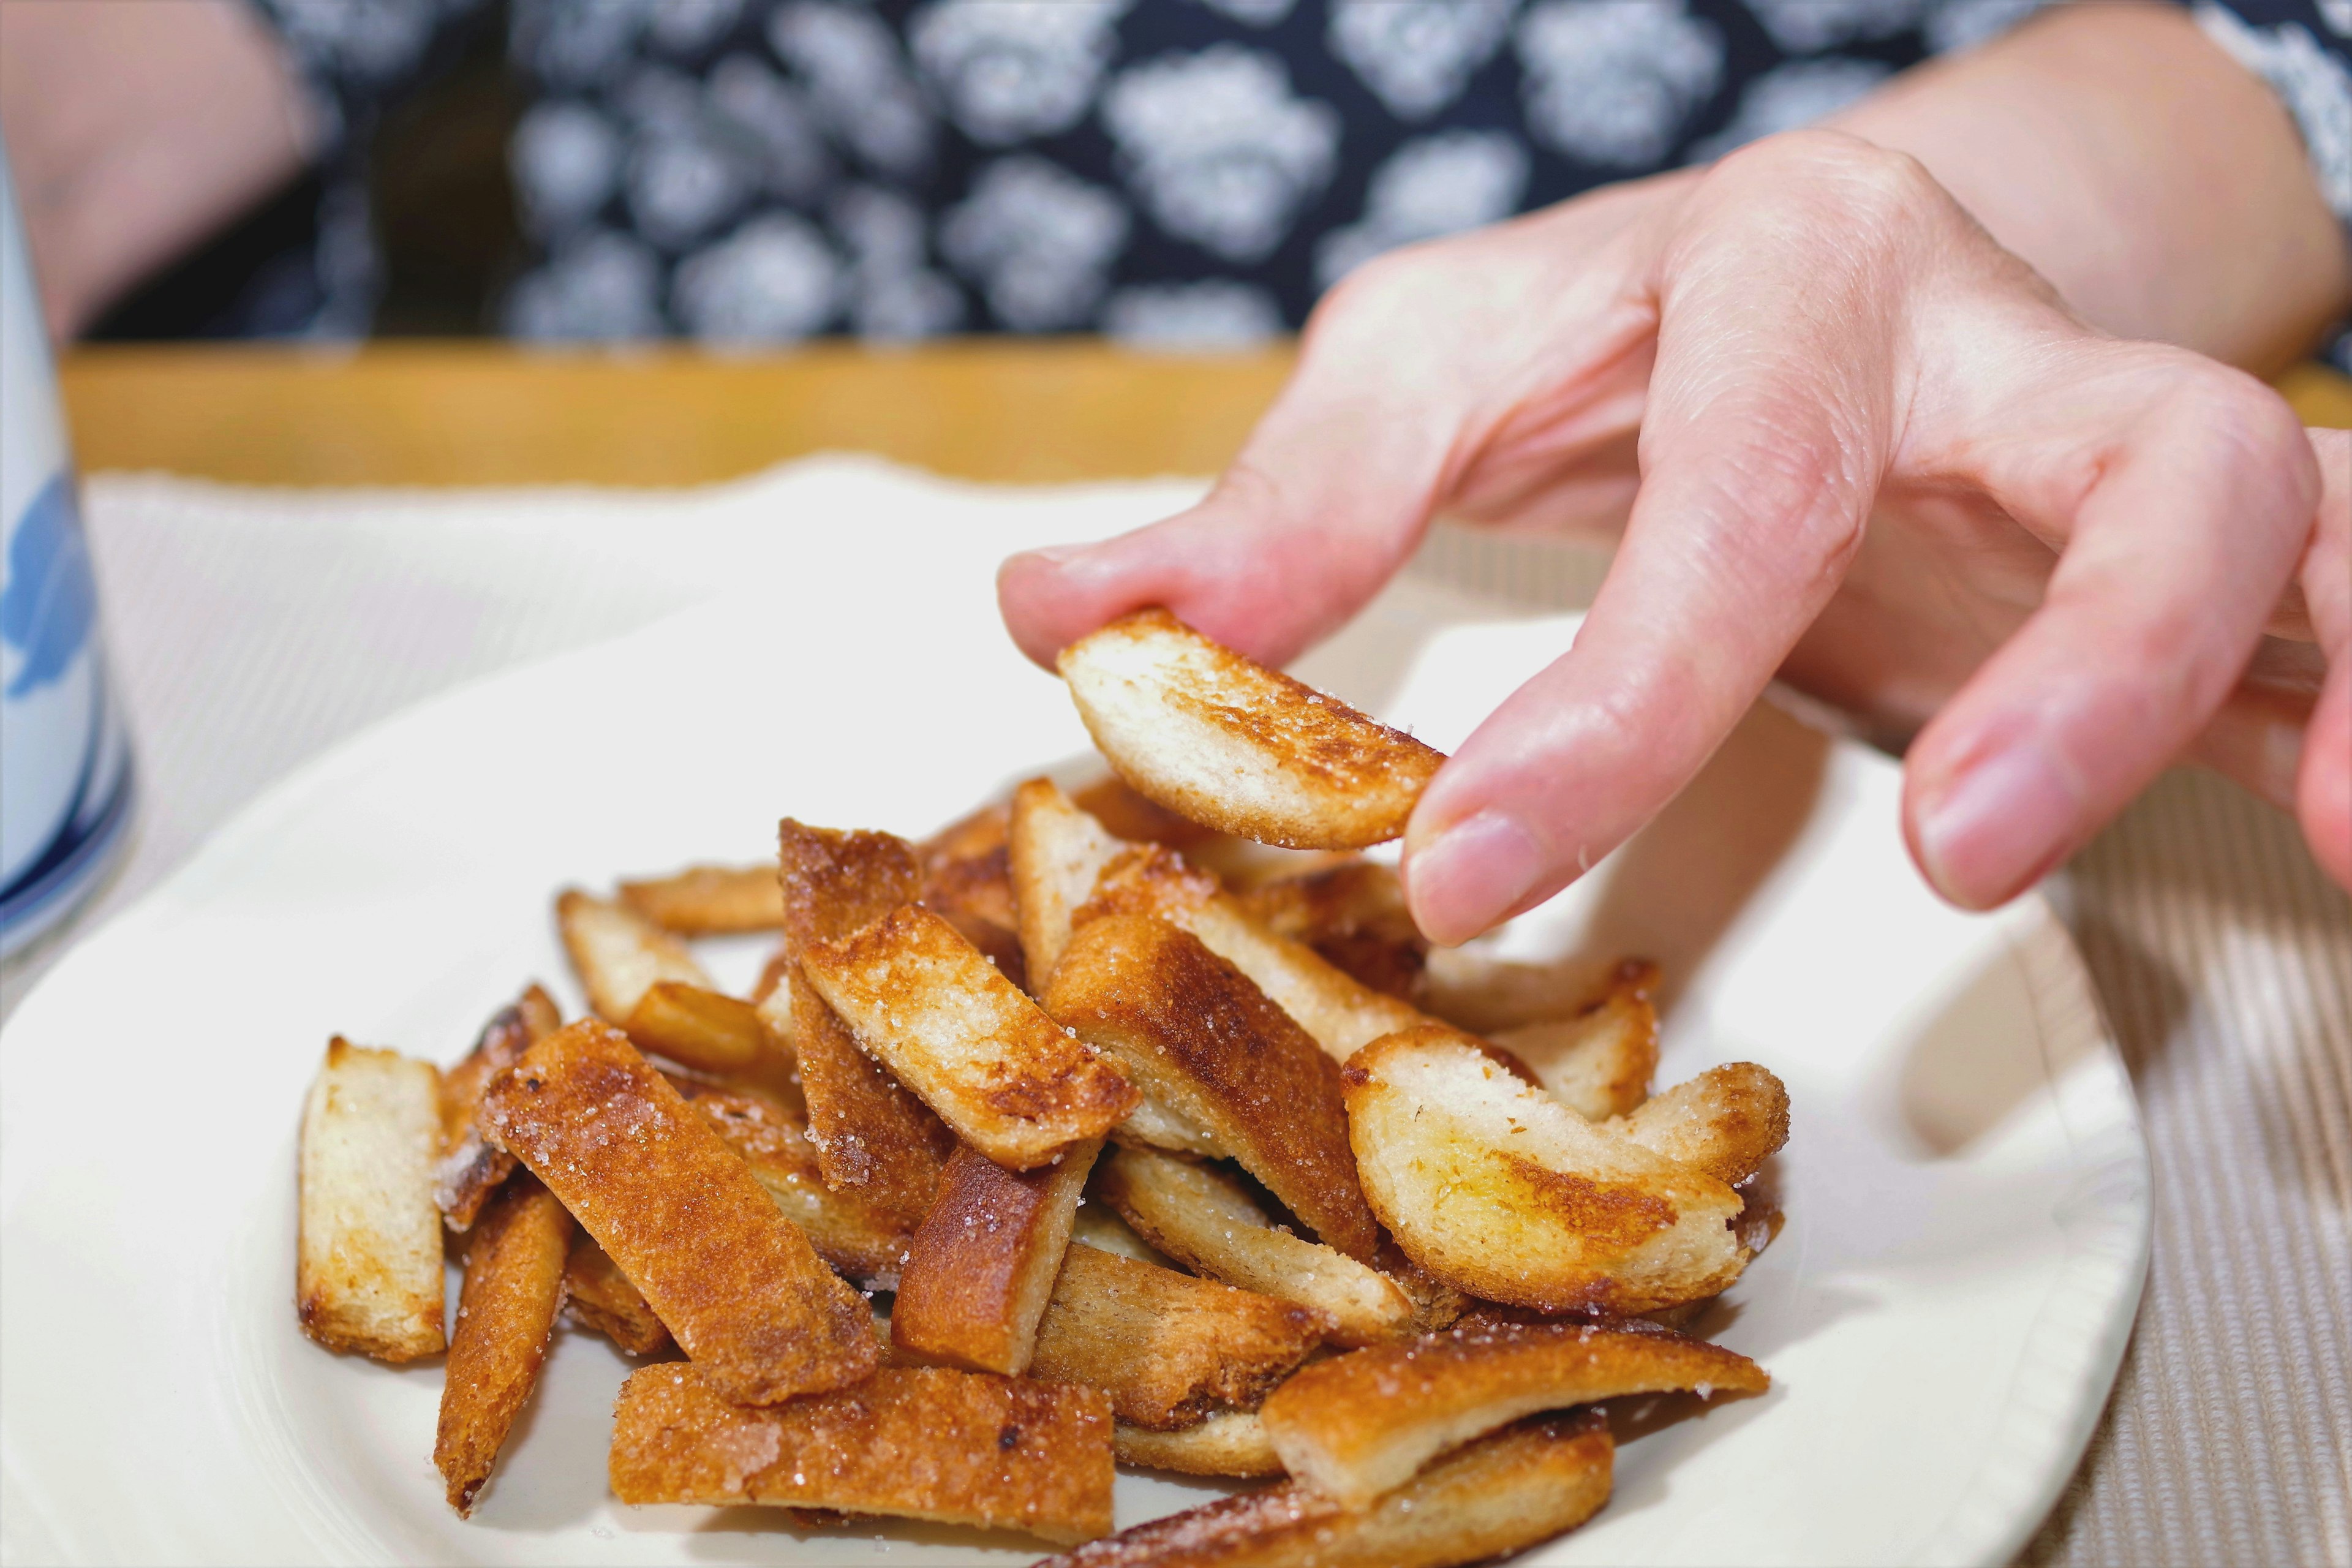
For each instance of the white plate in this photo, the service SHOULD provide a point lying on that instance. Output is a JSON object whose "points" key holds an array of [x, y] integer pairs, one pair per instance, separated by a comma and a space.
{"points": [[1965, 1186]]}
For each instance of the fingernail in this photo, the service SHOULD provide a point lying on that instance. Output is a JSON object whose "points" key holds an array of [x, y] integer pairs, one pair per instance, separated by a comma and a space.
{"points": [[1471, 875], [1054, 554], [1997, 826]]}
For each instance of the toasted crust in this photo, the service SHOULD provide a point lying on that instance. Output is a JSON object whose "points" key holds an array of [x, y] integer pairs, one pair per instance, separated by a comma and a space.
{"points": [[1725, 1121], [1361, 1424], [858, 1239], [873, 1136], [367, 1269], [682, 1216], [1053, 853], [1471, 989], [1098, 1226], [1011, 1082], [1170, 1349], [957, 1447], [1231, 1443], [1339, 1012], [598, 1296], [1208, 1046], [967, 881], [708, 901], [705, 1030], [980, 1270], [1352, 914], [1599, 1060], [1505, 1492], [1204, 1219], [1221, 739], [1501, 1191], [470, 1168], [617, 952], [514, 1287]]}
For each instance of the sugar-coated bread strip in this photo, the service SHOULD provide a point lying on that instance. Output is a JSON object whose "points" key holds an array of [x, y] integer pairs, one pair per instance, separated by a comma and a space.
{"points": [[957, 1447], [1352, 914], [1599, 1060], [1217, 737], [967, 880], [1362, 1424], [1211, 1052], [1727, 1122], [470, 1167], [599, 1297], [1013, 1083], [1054, 854], [1340, 1012], [982, 1267], [684, 1217], [708, 901], [617, 952], [1499, 1190], [367, 1269], [1230, 1443], [861, 1240], [1204, 1219], [873, 1135], [705, 1030], [1500, 1495], [1170, 1349], [514, 1287]]}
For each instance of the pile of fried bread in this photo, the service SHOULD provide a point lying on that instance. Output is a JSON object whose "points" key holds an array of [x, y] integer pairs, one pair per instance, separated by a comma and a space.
{"points": [[1089, 1131]]}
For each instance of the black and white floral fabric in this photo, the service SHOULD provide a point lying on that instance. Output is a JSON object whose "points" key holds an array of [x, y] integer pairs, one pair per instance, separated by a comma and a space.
{"points": [[1178, 173]]}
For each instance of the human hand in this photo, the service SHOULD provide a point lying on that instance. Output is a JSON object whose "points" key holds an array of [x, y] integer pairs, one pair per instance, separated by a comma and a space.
{"points": [[1849, 440]]}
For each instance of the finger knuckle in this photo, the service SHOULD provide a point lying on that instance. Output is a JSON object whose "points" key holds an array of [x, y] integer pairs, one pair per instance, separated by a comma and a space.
{"points": [[1863, 181]]}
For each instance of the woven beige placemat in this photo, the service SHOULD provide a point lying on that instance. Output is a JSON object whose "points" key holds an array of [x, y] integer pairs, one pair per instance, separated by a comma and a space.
{"points": [[250, 631]]}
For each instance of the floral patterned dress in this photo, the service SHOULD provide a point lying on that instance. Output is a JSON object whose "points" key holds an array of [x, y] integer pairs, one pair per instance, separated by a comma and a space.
{"points": [[1178, 173]]}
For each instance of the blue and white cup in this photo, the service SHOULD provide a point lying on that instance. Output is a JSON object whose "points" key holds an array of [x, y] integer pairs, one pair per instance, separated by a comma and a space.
{"points": [[64, 769]]}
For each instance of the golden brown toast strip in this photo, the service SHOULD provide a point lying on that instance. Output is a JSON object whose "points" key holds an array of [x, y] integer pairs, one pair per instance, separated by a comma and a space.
{"points": [[1341, 1013], [1231, 1444], [618, 954], [1727, 1122], [1013, 1083], [1238, 863], [980, 1270], [367, 1253], [1170, 1349], [1599, 1060], [1361, 1424], [1218, 737], [873, 1135], [1053, 852], [957, 1447], [1204, 1219], [600, 1297], [1354, 916], [514, 1287], [858, 1239], [470, 1168], [1504, 1493], [708, 901], [1501, 1191], [683, 1216], [1213, 1053], [705, 1030], [967, 881], [1471, 989]]}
